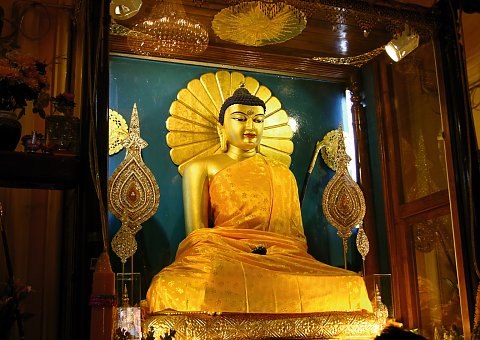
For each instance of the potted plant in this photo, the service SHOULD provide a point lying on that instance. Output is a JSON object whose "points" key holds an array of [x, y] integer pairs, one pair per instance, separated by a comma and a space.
{"points": [[63, 103], [22, 79]]}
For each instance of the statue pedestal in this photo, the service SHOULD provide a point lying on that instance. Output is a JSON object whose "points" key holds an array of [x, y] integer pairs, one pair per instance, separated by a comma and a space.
{"points": [[191, 325]]}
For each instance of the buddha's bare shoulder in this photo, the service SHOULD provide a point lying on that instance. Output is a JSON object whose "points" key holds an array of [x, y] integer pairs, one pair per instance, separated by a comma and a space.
{"points": [[208, 165]]}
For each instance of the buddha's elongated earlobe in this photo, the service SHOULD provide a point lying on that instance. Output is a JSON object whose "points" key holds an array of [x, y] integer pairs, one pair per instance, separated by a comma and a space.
{"points": [[221, 134]]}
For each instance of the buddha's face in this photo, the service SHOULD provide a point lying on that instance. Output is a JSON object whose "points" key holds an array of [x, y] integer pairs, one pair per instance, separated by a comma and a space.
{"points": [[243, 125]]}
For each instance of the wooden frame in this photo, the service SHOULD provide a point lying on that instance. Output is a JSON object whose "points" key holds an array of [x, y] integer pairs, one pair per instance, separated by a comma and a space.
{"points": [[401, 215], [398, 216]]}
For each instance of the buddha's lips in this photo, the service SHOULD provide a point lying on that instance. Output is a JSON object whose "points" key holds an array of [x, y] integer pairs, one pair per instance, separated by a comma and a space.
{"points": [[250, 135]]}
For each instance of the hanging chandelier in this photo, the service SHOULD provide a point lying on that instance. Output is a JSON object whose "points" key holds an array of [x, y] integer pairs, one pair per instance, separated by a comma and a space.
{"points": [[167, 31], [272, 7]]}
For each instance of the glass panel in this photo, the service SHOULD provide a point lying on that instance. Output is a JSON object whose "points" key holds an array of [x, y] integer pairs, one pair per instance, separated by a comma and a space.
{"points": [[420, 133], [440, 316]]}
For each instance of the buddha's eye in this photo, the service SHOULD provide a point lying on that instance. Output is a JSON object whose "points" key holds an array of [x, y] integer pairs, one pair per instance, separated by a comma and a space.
{"points": [[259, 119], [240, 118]]}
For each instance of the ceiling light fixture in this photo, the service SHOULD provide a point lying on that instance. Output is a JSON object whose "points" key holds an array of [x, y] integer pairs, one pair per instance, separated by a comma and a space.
{"points": [[271, 8], [168, 31], [402, 45], [124, 9]]}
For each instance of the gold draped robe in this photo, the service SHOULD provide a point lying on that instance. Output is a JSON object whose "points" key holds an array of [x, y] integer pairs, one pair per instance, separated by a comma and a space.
{"points": [[254, 203]]}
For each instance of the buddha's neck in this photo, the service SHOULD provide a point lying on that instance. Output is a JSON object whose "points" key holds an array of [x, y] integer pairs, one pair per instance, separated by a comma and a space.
{"points": [[238, 154]]}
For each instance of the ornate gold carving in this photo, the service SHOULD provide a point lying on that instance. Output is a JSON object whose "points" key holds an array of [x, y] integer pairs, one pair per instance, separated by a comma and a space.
{"points": [[363, 245], [426, 235], [357, 61], [329, 150], [133, 195], [124, 243], [117, 131], [249, 24], [343, 202], [343, 325], [379, 308], [336, 15], [193, 118]]}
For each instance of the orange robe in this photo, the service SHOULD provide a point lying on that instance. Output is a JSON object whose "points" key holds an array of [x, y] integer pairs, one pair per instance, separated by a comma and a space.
{"points": [[254, 203]]}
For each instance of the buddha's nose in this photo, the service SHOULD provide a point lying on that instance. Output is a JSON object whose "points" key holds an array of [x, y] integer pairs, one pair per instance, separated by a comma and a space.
{"points": [[249, 125]]}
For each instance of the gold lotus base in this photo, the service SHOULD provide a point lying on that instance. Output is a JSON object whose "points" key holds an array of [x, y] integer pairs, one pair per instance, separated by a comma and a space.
{"points": [[334, 325]]}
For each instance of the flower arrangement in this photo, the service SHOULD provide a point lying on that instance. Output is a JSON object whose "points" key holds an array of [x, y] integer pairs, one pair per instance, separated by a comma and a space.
{"points": [[64, 102], [23, 78]]}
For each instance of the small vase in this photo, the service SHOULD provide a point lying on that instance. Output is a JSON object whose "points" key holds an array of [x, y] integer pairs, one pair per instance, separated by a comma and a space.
{"points": [[10, 130]]}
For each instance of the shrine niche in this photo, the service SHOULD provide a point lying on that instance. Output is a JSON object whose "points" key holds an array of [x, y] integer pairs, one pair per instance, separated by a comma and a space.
{"points": [[179, 113], [412, 124], [315, 116], [364, 69]]}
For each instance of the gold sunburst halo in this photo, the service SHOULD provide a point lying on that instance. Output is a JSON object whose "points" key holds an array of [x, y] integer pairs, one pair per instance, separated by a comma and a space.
{"points": [[193, 119]]}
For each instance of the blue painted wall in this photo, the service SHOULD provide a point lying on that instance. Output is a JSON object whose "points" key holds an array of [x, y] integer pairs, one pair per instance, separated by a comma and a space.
{"points": [[153, 85]]}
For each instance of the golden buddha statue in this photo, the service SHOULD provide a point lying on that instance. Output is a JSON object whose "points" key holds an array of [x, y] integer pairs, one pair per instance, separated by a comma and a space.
{"points": [[245, 249]]}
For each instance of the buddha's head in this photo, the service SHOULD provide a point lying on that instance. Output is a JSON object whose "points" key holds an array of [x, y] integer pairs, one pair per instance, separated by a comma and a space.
{"points": [[241, 120]]}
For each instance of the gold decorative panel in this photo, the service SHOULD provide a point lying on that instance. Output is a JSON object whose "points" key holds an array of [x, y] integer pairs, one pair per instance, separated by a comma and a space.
{"points": [[344, 325], [343, 202], [133, 193]]}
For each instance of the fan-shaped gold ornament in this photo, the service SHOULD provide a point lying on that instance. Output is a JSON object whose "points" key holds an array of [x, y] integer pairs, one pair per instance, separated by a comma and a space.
{"points": [[117, 131], [193, 118], [343, 202], [329, 151], [133, 195], [247, 24]]}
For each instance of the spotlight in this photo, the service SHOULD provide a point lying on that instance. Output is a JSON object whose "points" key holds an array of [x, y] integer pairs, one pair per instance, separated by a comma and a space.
{"points": [[403, 44], [124, 9]]}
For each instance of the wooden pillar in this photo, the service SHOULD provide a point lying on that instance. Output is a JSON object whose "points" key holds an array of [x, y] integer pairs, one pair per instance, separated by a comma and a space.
{"points": [[93, 159], [464, 161], [364, 173]]}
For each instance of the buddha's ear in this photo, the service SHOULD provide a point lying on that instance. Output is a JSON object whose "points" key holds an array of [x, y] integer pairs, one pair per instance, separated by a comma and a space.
{"points": [[223, 140]]}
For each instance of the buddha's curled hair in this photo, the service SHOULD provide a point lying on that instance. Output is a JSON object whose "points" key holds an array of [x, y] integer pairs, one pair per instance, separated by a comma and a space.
{"points": [[240, 96]]}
